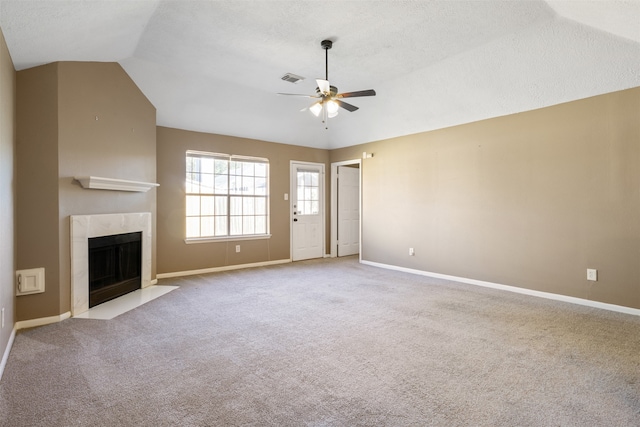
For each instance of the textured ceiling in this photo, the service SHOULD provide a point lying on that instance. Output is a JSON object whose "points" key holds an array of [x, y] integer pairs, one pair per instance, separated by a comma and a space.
{"points": [[216, 66]]}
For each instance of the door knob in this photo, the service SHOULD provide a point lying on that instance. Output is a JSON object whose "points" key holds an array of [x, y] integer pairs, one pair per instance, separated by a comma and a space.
{"points": [[295, 219]]}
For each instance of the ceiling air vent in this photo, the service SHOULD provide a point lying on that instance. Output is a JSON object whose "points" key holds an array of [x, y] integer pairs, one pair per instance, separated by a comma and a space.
{"points": [[292, 78]]}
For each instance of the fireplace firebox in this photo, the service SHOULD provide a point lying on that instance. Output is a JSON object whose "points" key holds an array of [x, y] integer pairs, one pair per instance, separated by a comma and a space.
{"points": [[114, 266]]}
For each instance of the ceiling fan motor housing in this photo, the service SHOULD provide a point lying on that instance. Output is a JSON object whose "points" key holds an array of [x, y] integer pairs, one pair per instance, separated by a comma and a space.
{"points": [[332, 91], [326, 44]]}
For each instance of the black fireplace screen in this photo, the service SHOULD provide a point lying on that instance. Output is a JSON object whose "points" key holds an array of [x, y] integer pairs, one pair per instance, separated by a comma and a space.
{"points": [[114, 266]]}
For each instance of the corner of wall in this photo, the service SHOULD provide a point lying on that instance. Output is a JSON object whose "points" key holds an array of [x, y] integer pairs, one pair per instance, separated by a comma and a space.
{"points": [[7, 199]]}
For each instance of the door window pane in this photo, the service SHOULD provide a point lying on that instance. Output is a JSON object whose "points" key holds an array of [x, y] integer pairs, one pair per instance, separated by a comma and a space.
{"points": [[308, 192]]}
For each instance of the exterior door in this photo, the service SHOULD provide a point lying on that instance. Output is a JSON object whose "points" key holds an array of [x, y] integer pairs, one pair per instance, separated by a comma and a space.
{"points": [[348, 210], [307, 210]]}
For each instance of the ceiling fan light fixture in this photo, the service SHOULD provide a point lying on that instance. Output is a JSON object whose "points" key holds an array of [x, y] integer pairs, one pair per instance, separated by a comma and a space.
{"points": [[332, 108], [316, 109]]}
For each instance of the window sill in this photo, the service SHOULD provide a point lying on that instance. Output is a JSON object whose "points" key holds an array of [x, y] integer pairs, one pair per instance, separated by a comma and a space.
{"points": [[193, 240]]}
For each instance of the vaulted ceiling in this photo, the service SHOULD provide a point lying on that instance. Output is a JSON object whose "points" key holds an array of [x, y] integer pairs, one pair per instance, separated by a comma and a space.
{"points": [[216, 66]]}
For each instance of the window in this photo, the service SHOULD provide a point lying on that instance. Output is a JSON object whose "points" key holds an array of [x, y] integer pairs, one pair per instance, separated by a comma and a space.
{"points": [[308, 192], [226, 196]]}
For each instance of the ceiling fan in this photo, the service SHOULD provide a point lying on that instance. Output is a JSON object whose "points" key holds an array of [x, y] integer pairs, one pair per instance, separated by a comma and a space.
{"points": [[329, 100]]}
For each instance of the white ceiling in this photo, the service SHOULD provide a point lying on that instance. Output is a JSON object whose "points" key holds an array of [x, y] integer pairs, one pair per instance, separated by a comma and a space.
{"points": [[216, 66]]}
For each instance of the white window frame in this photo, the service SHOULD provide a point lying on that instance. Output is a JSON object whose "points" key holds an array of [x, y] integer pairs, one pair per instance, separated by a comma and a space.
{"points": [[229, 194]]}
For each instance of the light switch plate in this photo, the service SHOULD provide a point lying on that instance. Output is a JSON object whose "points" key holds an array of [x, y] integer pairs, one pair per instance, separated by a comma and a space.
{"points": [[592, 274]]}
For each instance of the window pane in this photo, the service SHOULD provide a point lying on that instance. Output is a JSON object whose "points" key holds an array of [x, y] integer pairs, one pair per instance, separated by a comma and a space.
{"points": [[300, 194], [206, 165], [221, 205], [315, 208], [307, 208], [307, 193], [193, 227], [193, 205], [206, 205], [314, 194], [206, 226], [248, 185], [236, 225], [248, 206], [248, 225], [206, 184], [301, 178], [221, 226], [194, 164], [222, 184], [261, 169], [261, 187], [248, 168], [235, 168], [235, 182], [314, 178], [236, 206], [221, 167], [193, 183], [261, 225], [260, 204]]}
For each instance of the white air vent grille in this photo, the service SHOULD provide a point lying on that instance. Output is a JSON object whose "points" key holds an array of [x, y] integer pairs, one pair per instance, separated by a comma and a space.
{"points": [[292, 78]]}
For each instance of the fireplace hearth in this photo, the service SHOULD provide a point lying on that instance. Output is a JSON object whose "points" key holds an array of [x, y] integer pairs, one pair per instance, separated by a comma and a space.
{"points": [[114, 266]]}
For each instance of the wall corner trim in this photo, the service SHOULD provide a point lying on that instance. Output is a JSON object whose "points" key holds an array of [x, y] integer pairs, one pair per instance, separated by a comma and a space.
{"points": [[515, 289], [5, 356], [223, 268], [23, 324]]}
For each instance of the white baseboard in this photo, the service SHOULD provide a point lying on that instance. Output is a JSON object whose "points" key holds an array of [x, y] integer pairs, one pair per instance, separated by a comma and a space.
{"points": [[32, 323], [548, 295], [7, 350], [223, 268], [153, 282]]}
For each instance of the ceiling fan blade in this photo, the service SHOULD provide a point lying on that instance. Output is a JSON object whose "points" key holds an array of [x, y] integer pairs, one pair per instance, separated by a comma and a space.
{"points": [[346, 106], [369, 92], [299, 94], [324, 86]]}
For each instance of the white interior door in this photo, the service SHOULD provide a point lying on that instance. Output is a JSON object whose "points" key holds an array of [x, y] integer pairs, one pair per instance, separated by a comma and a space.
{"points": [[307, 210], [348, 210]]}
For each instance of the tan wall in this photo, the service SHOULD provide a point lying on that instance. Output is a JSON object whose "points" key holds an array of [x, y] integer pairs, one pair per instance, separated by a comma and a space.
{"points": [[120, 144], [7, 191], [174, 255], [58, 138], [529, 200], [37, 184]]}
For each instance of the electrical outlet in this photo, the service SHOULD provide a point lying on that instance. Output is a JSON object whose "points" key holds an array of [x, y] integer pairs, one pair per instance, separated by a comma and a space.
{"points": [[237, 248], [411, 252], [592, 274]]}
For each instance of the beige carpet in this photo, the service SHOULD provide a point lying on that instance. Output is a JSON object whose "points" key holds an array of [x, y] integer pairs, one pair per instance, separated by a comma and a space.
{"points": [[329, 343]]}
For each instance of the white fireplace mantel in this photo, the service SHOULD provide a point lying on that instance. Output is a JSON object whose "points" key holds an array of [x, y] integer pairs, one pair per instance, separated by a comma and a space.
{"points": [[84, 227], [101, 183]]}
